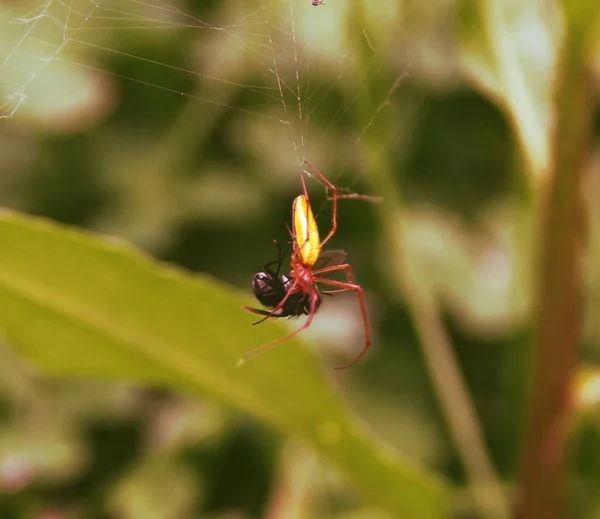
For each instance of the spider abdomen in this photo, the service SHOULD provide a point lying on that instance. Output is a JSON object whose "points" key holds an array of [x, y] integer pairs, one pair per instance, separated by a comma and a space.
{"points": [[305, 231]]}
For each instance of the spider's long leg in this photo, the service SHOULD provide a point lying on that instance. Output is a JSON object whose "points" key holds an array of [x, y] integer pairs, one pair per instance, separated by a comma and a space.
{"points": [[335, 268], [334, 198], [351, 285], [313, 310], [356, 196]]}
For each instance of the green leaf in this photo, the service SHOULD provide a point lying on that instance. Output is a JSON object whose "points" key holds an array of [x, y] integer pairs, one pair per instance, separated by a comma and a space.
{"points": [[509, 51], [83, 306]]}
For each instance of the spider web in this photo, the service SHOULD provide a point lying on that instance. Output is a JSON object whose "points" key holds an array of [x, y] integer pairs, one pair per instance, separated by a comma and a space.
{"points": [[81, 31], [277, 44]]}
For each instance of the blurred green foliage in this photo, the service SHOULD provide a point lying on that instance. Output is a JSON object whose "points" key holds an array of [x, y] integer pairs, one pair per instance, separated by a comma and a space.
{"points": [[445, 106]]}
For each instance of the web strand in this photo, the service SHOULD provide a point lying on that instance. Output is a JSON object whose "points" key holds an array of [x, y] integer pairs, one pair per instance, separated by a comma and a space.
{"points": [[278, 41], [32, 23]]}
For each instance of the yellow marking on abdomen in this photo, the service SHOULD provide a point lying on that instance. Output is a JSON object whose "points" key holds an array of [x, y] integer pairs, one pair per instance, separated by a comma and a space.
{"points": [[305, 229]]}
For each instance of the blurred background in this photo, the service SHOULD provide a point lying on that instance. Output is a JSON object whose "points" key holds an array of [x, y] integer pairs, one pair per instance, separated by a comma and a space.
{"points": [[180, 126]]}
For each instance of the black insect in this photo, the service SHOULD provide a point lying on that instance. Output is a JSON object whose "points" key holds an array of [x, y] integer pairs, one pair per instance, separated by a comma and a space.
{"points": [[270, 288]]}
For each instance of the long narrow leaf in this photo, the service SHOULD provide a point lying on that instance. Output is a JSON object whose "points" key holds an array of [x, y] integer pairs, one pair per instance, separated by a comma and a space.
{"points": [[82, 306]]}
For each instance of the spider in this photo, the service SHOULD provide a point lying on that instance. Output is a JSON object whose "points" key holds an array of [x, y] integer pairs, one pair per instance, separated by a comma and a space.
{"points": [[298, 292]]}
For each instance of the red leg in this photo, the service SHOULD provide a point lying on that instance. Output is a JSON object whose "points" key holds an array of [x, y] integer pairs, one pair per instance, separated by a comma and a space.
{"points": [[356, 196], [311, 314], [361, 296], [328, 185], [333, 268]]}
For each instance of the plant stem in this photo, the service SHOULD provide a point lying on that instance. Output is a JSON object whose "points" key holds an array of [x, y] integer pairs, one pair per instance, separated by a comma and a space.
{"points": [[559, 292]]}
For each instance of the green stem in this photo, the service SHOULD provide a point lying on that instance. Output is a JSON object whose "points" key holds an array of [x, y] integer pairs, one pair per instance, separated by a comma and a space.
{"points": [[559, 293]]}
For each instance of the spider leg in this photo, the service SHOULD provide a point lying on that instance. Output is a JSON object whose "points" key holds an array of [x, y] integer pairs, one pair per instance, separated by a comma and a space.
{"points": [[328, 185], [287, 226], [336, 268], [313, 308], [347, 286], [354, 196]]}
